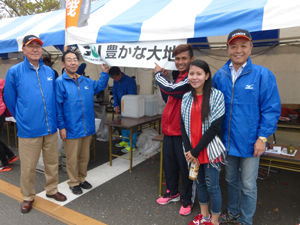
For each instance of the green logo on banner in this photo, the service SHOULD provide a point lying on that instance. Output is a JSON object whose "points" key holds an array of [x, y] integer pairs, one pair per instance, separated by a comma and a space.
{"points": [[94, 52]]}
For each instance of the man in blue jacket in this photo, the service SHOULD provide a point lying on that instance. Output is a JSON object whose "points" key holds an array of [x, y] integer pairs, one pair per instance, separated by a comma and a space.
{"points": [[252, 110], [29, 95], [76, 118], [123, 85]]}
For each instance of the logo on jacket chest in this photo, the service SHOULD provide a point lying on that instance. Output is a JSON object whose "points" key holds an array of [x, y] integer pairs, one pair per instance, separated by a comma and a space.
{"points": [[249, 87], [86, 87], [49, 78]]}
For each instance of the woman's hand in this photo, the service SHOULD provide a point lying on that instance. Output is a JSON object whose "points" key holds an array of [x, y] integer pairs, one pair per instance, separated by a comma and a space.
{"points": [[189, 157]]}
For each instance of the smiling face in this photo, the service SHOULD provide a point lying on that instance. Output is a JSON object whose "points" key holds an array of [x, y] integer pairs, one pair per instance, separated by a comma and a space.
{"points": [[71, 63], [33, 52], [182, 61], [239, 51], [197, 78]]}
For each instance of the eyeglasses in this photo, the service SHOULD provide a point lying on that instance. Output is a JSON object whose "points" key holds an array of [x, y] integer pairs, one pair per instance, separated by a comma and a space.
{"points": [[71, 60]]}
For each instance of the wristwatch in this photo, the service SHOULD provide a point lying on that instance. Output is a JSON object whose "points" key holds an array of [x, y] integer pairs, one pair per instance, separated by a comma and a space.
{"points": [[263, 139]]}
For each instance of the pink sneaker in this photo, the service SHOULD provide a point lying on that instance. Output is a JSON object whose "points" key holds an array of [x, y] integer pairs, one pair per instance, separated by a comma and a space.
{"points": [[167, 198], [199, 220], [5, 168], [13, 159], [185, 210]]}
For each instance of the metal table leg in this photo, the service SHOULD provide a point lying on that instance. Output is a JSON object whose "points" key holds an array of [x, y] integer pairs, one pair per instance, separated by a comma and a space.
{"points": [[131, 148], [110, 145]]}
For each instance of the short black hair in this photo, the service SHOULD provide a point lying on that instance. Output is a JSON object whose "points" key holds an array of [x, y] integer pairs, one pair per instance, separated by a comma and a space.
{"points": [[67, 52], [183, 48], [114, 71]]}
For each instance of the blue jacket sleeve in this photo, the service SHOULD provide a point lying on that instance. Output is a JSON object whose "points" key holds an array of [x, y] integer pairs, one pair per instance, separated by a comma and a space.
{"points": [[101, 84], [10, 92], [270, 105], [59, 91], [176, 90]]}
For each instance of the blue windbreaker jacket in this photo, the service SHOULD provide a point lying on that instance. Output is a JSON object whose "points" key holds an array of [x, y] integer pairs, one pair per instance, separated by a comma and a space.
{"points": [[30, 97], [75, 104], [252, 107], [126, 86]]}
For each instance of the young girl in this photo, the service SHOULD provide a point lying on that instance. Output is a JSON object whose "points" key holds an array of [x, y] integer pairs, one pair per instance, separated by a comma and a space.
{"points": [[202, 112]]}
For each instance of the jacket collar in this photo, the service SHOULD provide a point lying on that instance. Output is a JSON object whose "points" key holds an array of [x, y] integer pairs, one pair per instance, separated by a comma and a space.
{"points": [[66, 76], [29, 65], [247, 68]]}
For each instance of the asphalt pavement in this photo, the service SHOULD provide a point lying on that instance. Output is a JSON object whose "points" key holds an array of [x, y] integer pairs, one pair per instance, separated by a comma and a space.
{"points": [[129, 198]]}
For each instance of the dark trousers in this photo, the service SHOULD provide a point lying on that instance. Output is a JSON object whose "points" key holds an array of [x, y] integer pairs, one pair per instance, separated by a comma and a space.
{"points": [[175, 164], [5, 152]]}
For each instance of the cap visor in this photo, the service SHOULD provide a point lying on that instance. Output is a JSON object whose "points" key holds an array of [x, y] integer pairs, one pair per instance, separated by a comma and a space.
{"points": [[238, 36], [37, 40]]}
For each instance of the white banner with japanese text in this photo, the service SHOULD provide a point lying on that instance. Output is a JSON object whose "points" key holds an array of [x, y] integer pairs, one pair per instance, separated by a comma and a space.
{"points": [[132, 54]]}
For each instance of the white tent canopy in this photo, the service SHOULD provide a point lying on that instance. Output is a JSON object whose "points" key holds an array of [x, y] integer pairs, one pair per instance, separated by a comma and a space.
{"points": [[149, 20]]}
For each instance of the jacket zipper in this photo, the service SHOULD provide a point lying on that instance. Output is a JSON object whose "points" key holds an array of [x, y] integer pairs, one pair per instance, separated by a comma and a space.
{"points": [[231, 103], [81, 106], [46, 114]]}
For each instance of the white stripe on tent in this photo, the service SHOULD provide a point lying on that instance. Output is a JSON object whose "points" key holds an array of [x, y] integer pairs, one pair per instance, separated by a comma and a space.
{"points": [[275, 17], [170, 19], [127, 26], [88, 34], [49, 23], [21, 30], [175, 22]]}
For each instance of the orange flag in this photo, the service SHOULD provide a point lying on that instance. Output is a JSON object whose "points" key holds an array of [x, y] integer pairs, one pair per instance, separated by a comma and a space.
{"points": [[77, 12]]}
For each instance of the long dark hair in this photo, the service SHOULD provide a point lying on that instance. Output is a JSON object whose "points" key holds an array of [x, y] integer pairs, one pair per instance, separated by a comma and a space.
{"points": [[206, 88]]}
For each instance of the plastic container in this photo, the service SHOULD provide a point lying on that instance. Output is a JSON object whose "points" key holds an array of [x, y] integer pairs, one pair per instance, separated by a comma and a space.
{"points": [[133, 106], [151, 105]]}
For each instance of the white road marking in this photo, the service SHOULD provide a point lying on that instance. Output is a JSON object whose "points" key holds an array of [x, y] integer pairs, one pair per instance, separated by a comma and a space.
{"points": [[100, 175]]}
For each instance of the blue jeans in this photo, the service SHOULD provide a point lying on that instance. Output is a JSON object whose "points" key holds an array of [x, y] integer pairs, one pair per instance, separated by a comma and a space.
{"points": [[126, 133], [208, 187], [241, 176]]}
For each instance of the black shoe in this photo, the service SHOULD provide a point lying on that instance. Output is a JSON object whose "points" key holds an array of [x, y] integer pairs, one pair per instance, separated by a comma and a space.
{"points": [[85, 185], [227, 217], [76, 190]]}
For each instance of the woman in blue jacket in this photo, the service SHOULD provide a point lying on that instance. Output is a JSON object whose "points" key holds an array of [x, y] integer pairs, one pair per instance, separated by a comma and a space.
{"points": [[76, 118]]}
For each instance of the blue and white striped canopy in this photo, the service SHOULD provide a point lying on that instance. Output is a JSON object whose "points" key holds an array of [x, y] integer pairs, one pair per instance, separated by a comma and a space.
{"points": [[149, 20]]}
